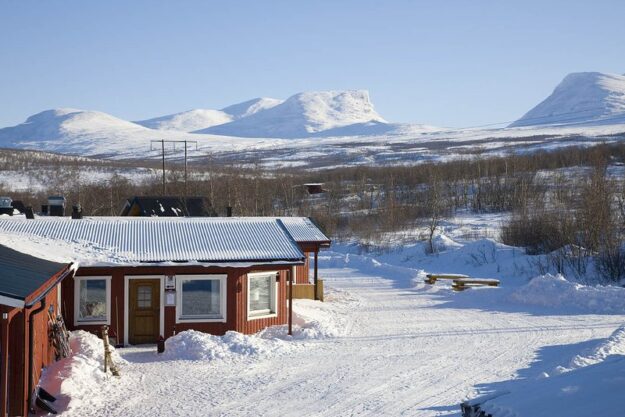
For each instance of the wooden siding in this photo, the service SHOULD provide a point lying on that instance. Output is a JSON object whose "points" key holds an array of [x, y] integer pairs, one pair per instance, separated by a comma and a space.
{"points": [[19, 351], [302, 271], [307, 291], [236, 299]]}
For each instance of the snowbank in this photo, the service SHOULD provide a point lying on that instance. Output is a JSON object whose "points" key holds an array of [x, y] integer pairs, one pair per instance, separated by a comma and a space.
{"points": [[588, 386], [84, 368], [613, 345], [194, 345], [592, 391], [312, 321], [555, 291]]}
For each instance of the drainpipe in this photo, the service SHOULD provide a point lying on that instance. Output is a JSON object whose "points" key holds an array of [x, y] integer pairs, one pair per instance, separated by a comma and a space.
{"points": [[31, 342], [316, 274], [292, 272], [4, 371]]}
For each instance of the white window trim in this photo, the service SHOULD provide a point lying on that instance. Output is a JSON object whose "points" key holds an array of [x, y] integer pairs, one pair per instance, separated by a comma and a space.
{"points": [[161, 318], [223, 289], [274, 299], [77, 320]]}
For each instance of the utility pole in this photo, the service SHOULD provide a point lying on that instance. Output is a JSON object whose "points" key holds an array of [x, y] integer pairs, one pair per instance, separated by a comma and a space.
{"points": [[174, 142], [163, 154]]}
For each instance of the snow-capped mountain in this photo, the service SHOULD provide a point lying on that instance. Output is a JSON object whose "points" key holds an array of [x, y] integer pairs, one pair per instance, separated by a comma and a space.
{"points": [[63, 122], [306, 114], [250, 107], [85, 132], [199, 119], [581, 98], [188, 121]]}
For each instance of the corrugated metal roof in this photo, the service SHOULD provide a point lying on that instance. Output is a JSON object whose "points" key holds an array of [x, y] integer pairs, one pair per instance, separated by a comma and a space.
{"points": [[302, 229], [208, 239], [21, 274]]}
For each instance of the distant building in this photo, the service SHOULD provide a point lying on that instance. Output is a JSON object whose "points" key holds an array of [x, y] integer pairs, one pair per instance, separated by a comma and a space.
{"points": [[168, 207], [314, 188]]}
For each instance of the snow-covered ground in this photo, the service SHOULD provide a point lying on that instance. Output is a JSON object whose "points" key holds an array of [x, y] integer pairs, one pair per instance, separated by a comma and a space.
{"points": [[383, 344]]}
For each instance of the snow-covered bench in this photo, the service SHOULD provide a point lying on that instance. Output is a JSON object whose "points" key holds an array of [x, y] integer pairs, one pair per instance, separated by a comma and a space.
{"points": [[431, 278], [460, 284]]}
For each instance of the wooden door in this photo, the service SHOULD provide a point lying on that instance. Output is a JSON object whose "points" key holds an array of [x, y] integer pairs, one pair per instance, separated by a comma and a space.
{"points": [[144, 304]]}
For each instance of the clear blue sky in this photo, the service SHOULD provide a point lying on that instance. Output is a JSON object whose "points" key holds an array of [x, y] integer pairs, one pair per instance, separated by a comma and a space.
{"points": [[446, 63]]}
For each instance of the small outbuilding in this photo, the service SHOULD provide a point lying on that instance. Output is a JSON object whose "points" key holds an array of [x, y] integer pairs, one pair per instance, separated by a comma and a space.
{"points": [[29, 298]]}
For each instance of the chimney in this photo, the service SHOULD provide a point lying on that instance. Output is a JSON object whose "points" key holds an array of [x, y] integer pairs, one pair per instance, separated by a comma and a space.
{"points": [[56, 206], [77, 211], [228, 211]]}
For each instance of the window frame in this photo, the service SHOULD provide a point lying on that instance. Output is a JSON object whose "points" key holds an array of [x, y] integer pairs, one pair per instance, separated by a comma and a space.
{"points": [[223, 296], [77, 280], [273, 312]]}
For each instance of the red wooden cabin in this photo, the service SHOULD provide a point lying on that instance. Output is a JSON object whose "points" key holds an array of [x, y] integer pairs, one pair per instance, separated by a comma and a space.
{"points": [[157, 276], [28, 297]]}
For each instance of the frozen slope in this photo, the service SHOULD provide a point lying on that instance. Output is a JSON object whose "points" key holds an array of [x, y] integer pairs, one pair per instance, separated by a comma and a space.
{"points": [[199, 119], [74, 131], [92, 133], [583, 97], [188, 121], [250, 107], [304, 115]]}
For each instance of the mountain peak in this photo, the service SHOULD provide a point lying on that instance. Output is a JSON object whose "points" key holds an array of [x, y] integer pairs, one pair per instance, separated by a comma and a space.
{"points": [[581, 97], [304, 114]]}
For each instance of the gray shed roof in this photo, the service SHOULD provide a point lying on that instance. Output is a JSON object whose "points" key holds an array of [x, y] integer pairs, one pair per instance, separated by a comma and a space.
{"points": [[21, 275], [206, 239]]}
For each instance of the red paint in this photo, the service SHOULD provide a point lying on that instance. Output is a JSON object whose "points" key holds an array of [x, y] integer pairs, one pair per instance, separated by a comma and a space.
{"points": [[19, 347], [236, 299]]}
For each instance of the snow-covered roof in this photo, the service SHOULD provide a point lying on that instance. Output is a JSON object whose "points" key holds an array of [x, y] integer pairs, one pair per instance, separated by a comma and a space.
{"points": [[136, 240], [302, 229]]}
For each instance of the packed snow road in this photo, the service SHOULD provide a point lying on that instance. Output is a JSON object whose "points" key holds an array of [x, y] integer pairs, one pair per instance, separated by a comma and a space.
{"points": [[399, 351]]}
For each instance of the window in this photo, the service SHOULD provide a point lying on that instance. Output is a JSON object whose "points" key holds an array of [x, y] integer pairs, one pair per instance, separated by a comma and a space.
{"points": [[201, 298], [144, 296], [261, 294], [92, 300]]}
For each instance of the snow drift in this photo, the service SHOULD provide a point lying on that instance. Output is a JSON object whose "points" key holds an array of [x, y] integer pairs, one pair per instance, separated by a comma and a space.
{"points": [[583, 97], [555, 291], [83, 369], [194, 345], [588, 386]]}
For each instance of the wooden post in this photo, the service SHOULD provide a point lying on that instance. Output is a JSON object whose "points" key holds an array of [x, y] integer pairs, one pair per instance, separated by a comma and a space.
{"points": [[316, 274], [291, 273], [105, 341], [108, 360]]}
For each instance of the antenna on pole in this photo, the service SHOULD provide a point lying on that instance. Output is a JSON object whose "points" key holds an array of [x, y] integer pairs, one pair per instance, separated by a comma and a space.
{"points": [[174, 142]]}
